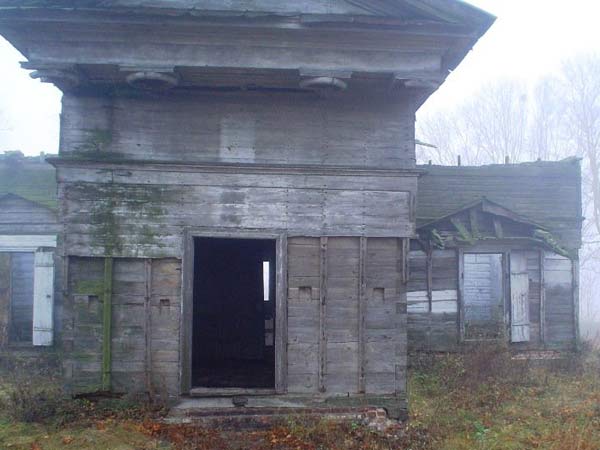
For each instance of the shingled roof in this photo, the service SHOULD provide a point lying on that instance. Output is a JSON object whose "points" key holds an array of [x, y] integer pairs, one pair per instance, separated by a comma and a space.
{"points": [[547, 193]]}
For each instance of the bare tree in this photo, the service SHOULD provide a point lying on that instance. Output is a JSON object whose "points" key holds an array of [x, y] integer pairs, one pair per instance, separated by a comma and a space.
{"points": [[581, 82], [485, 129], [546, 132], [559, 117]]}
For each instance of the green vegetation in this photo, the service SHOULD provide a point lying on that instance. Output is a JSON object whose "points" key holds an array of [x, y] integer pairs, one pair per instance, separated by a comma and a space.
{"points": [[483, 401], [33, 181]]}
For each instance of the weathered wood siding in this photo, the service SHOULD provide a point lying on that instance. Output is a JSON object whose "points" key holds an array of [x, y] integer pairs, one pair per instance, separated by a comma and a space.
{"points": [[550, 297], [559, 301], [142, 212], [146, 304], [346, 316], [277, 128], [432, 301], [21, 216]]}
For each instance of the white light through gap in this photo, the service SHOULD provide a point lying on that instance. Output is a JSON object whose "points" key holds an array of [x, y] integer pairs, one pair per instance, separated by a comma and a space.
{"points": [[266, 281]]}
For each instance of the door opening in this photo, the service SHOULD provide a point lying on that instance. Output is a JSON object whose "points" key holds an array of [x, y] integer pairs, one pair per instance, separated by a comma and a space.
{"points": [[234, 313], [483, 296]]}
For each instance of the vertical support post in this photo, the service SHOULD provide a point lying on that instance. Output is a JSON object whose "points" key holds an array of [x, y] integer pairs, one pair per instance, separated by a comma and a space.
{"points": [[362, 295], [322, 314], [281, 316], [575, 287], [542, 298], [107, 323], [461, 290], [405, 250], [401, 347], [429, 270], [187, 309], [148, 325], [5, 297]]}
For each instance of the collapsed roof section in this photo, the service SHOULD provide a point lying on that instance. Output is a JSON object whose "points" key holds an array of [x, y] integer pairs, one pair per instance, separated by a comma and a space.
{"points": [[543, 196]]}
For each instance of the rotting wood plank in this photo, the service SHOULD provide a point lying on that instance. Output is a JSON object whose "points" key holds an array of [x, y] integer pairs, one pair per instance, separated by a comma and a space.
{"points": [[322, 315], [575, 296], [281, 317], [148, 325], [361, 313], [107, 324], [429, 270]]}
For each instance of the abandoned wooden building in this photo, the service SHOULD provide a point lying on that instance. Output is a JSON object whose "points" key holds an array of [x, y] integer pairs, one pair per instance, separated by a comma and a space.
{"points": [[237, 188], [30, 298], [496, 257]]}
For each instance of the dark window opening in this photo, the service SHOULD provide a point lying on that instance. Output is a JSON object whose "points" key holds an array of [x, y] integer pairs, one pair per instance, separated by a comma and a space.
{"points": [[234, 313]]}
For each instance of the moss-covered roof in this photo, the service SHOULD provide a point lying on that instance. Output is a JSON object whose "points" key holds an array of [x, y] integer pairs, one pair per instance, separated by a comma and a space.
{"points": [[547, 193], [29, 178]]}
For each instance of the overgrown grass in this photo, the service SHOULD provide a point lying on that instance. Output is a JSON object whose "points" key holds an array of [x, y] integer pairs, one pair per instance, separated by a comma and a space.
{"points": [[483, 400], [488, 401]]}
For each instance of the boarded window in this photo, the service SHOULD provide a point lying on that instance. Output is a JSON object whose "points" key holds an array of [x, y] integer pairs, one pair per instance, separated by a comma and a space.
{"points": [[483, 296]]}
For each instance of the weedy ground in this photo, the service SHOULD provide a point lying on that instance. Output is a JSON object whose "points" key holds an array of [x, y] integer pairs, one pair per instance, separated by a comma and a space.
{"points": [[482, 400]]}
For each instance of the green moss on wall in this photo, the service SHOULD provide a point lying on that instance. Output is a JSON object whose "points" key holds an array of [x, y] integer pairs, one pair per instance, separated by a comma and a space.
{"points": [[89, 287]]}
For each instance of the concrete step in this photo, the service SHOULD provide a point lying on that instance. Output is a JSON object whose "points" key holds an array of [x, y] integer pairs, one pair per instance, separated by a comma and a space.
{"points": [[266, 412]]}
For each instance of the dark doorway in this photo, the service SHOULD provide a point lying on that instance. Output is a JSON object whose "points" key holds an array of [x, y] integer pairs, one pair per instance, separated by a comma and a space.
{"points": [[234, 313]]}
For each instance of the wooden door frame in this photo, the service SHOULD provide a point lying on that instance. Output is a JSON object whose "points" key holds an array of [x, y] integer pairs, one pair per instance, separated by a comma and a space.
{"points": [[505, 253], [187, 304]]}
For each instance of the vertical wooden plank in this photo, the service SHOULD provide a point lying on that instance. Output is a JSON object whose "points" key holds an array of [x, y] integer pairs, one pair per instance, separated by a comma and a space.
{"points": [[187, 310], [575, 287], [43, 299], [4, 297], [461, 290], [405, 249], [362, 294], [322, 314], [107, 323], [281, 316], [401, 347], [542, 298], [519, 298], [148, 324], [429, 274]]}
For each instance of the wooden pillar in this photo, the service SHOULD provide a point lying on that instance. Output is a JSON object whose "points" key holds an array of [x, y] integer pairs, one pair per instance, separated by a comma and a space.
{"points": [[5, 297], [575, 287], [362, 297], [429, 274], [148, 325], [322, 315], [542, 298], [107, 324], [281, 316]]}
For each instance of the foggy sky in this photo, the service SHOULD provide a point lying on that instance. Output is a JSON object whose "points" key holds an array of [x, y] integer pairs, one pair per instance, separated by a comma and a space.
{"points": [[530, 39]]}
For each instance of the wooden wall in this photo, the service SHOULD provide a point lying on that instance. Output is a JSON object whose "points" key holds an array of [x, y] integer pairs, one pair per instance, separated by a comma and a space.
{"points": [[353, 129], [146, 304], [346, 319], [346, 316], [551, 296], [432, 300], [138, 210], [559, 302]]}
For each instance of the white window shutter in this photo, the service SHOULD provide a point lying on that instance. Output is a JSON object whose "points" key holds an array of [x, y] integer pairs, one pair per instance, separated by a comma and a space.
{"points": [[43, 298], [519, 298]]}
